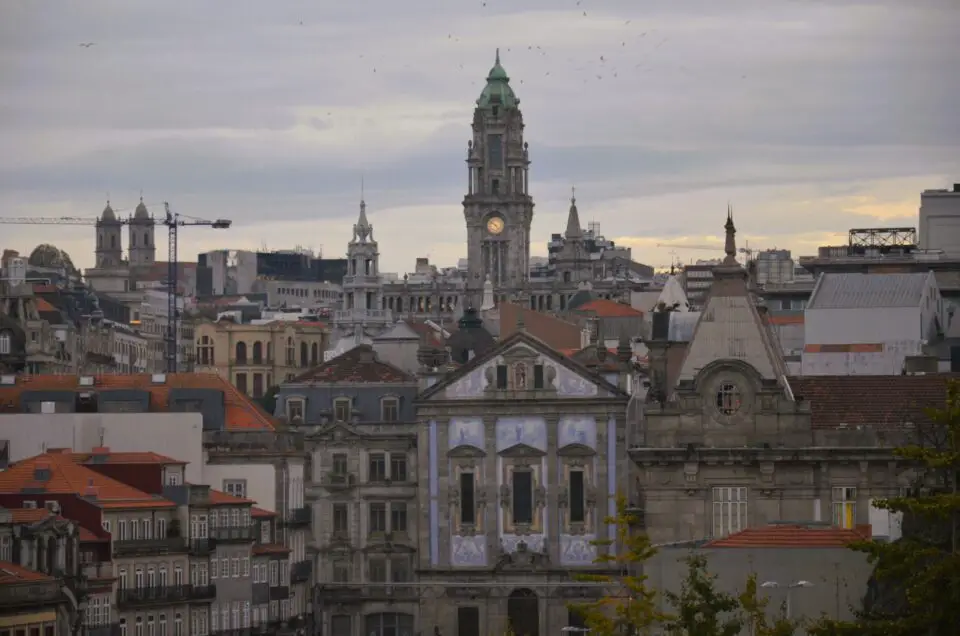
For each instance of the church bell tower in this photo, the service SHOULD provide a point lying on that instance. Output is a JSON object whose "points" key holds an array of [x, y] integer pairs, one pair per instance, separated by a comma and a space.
{"points": [[498, 208]]}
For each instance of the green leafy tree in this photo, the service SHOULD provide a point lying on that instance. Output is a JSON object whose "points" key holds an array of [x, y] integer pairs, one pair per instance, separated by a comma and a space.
{"points": [[700, 609], [920, 571], [753, 612], [629, 606]]}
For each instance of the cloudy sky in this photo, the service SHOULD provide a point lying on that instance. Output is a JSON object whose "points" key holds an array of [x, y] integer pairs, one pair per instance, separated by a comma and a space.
{"points": [[810, 117]]}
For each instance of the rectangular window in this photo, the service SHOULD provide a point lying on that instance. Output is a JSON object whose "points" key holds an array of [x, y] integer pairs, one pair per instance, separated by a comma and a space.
{"points": [[844, 507], [378, 467], [242, 382], [398, 517], [729, 510], [245, 567], [340, 625], [399, 570], [265, 531], [398, 467], [224, 568], [341, 572], [235, 568], [274, 573], [257, 385], [235, 487], [468, 621], [341, 409], [378, 517], [495, 152], [522, 496], [390, 410], [577, 499], [378, 570], [468, 504], [538, 376], [341, 523], [339, 464], [501, 376], [294, 410]]}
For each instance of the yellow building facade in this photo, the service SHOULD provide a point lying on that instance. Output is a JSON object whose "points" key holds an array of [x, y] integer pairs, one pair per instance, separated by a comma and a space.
{"points": [[256, 357]]}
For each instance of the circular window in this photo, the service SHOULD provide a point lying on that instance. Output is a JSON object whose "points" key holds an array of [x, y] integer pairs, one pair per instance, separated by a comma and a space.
{"points": [[728, 398]]}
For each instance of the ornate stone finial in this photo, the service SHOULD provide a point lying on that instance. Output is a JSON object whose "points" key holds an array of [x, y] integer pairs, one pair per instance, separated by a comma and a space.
{"points": [[730, 245], [497, 60]]}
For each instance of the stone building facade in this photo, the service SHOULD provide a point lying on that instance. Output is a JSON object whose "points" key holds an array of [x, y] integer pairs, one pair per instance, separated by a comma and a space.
{"points": [[521, 455], [726, 443]]}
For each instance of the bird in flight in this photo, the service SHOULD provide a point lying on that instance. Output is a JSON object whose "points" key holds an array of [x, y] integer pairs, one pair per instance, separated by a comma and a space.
{"points": [[87, 45]]}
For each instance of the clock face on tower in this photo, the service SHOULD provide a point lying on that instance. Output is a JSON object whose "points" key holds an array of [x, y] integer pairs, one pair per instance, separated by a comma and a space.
{"points": [[495, 225]]}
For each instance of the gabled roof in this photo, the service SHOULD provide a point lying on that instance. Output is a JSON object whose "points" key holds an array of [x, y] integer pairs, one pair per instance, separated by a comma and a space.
{"points": [[730, 327], [68, 477], [604, 308], [358, 365], [783, 535], [869, 291], [878, 401], [11, 574], [554, 332], [260, 513], [522, 337], [241, 413]]}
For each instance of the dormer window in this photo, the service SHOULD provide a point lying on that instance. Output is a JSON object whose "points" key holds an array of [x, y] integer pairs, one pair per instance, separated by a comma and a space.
{"points": [[390, 409], [342, 409], [295, 409]]}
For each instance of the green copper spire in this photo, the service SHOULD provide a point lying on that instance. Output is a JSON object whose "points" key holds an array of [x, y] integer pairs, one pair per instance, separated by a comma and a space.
{"points": [[497, 92]]}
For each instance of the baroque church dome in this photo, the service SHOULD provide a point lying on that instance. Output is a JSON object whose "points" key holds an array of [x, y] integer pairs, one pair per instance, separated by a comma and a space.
{"points": [[46, 255]]}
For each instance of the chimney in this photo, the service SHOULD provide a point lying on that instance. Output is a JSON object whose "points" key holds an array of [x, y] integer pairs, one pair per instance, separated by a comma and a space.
{"points": [[100, 454], [90, 492]]}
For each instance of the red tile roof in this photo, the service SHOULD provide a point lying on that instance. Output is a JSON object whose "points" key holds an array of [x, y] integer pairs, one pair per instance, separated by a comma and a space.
{"points": [[878, 401], [604, 308], [790, 536], [69, 477], [219, 498], [358, 365], [44, 305], [241, 412], [11, 574], [270, 548], [556, 333], [260, 513]]}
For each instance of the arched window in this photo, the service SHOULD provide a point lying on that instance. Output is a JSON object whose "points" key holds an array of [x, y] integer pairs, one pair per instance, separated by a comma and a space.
{"points": [[146, 239], [523, 612], [314, 354], [304, 358], [241, 353], [389, 624], [113, 241], [257, 352]]}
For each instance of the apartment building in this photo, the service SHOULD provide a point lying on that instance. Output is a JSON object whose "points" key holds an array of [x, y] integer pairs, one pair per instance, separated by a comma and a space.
{"points": [[358, 419]]}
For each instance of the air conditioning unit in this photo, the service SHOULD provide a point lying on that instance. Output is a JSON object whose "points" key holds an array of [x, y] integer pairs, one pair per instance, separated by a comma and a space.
{"points": [[52, 506], [87, 380]]}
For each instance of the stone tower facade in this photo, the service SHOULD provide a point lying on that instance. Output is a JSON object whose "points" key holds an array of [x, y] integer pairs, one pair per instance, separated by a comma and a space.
{"points": [[109, 239], [362, 291], [143, 250], [573, 262], [498, 208]]}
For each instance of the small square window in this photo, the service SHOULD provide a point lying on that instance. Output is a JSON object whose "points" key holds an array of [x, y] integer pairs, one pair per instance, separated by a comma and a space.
{"points": [[341, 409], [390, 410]]}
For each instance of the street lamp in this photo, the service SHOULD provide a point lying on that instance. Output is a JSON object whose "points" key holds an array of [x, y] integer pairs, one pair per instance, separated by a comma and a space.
{"points": [[789, 587]]}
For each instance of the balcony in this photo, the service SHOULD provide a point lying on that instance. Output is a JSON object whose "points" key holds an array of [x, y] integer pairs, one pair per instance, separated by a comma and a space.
{"points": [[201, 592], [240, 534], [279, 592], [370, 316], [300, 571], [97, 571], [202, 547], [149, 547], [338, 480], [133, 598], [299, 516]]}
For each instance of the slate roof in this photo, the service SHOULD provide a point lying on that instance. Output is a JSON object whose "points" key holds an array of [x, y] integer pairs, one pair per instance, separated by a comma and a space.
{"points": [[879, 401], [241, 413], [556, 333], [868, 291], [604, 308], [68, 477], [358, 365], [782, 535], [11, 574]]}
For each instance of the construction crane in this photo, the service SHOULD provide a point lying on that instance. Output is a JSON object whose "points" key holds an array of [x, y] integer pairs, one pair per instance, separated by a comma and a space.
{"points": [[714, 248], [173, 221]]}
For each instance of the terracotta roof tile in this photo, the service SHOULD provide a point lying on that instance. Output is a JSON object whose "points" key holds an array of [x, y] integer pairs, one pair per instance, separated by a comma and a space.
{"points": [[604, 308], [220, 498], [789, 536], [360, 365], [44, 305], [260, 513], [68, 477], [878, 401], [556, 333], [241, 412], [270, 548], [11, 574]]}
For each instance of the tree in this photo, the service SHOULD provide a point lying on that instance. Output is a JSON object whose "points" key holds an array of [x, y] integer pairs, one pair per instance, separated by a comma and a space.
{"points": [[268, 402], [629, 606], [702, 610], [920, 572], [753, 610]]}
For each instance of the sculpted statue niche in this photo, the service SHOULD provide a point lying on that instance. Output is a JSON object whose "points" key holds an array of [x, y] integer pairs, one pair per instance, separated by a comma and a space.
{"points": [[520, 376]]}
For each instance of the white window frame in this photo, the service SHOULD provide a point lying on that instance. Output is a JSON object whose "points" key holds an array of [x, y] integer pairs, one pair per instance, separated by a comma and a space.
{"points": [[844, 506], [235, 487], [730, 510], [395, 402], [338, 403]]}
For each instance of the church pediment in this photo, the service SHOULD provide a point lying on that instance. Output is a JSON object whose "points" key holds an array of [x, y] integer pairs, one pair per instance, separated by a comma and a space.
{"points": [[576, 450], [337, 431], [521, 450], [465, 451]]}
